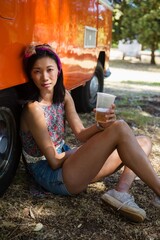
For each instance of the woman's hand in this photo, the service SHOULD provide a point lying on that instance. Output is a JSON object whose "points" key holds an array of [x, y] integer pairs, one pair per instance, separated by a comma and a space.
{"points": [[109, 116]]}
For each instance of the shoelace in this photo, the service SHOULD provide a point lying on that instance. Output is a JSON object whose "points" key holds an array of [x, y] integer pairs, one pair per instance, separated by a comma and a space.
{"points": [[129, 200]]}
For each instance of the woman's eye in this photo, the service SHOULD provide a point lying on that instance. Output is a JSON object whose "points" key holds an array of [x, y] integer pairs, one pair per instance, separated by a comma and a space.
{"points": [[50, 69], [36, 71]]}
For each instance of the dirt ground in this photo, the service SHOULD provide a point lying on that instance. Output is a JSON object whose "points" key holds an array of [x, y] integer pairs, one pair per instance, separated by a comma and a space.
{"points": [[27, 217]]}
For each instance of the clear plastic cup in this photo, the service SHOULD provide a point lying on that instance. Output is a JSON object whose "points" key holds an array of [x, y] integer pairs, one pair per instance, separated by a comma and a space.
{"points": [[104, 101]]}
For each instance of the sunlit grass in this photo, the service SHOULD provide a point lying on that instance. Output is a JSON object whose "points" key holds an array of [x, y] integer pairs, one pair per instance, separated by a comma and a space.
{"points": [[137, 117], [142, 83], [127, 101]]}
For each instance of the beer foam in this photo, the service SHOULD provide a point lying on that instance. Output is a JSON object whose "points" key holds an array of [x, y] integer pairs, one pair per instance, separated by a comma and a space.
{"points": [[101, 110]]}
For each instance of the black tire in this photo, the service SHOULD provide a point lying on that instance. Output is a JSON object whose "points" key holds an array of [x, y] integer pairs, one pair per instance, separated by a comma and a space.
{"points": [[10, 146], [85, 96]]}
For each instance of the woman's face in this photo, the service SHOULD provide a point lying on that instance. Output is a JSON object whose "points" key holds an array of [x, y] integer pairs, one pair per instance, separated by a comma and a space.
{"points": [[45, 73]]}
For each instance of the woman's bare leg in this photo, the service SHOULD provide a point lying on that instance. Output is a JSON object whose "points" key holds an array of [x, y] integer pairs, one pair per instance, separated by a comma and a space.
{"points": [[114, 163], [119, 199], [127, 177], [80, 168]]}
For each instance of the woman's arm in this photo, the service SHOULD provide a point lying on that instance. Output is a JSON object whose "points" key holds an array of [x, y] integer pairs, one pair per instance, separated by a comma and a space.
{"points": [[33, 120], [81, 133]]}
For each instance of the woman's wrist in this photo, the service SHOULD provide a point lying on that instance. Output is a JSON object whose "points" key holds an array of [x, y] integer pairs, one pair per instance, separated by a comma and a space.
{"points": [[99, 126]]}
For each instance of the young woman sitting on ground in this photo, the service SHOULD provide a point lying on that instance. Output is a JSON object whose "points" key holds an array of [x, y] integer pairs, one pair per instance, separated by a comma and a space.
{"points": [[104, 147]]}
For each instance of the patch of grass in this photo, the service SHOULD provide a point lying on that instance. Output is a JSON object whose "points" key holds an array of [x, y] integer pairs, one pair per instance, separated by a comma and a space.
{"points": [[127, 101], [136, 117], [139, 66], [142, 83]]}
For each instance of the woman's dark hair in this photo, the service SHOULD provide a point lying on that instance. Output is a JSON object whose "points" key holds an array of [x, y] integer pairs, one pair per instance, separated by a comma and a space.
{"points": [[37, 52]]}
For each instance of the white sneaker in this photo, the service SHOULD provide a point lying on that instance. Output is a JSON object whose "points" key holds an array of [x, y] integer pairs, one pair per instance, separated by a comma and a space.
{"points": [[156, 202], [125, 204]]}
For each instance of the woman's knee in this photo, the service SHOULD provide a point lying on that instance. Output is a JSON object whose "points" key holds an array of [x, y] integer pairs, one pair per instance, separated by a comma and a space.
{"points": [[120, 123], [120, 127]]}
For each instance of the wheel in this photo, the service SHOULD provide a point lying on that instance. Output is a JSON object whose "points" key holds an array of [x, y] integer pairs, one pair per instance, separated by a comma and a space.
{"points": [[9, 152], [85, 96]]}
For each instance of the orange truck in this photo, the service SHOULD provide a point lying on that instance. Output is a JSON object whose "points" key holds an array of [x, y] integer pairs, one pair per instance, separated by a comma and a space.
{"points": [[79, 31]]}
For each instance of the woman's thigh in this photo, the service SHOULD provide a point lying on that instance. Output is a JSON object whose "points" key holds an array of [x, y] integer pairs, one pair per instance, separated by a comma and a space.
{"points": [[112, 164], [82, 167]]}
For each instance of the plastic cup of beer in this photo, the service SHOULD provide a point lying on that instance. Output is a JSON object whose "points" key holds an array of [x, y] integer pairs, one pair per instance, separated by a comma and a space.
{"points": [[104, 101]]}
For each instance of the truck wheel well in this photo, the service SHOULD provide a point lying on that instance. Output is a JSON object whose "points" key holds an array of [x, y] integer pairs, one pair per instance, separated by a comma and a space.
{"points": [[101, 58]]}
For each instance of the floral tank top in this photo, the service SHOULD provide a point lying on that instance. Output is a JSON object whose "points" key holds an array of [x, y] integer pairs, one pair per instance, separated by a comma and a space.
{"points": [[54, 116]]}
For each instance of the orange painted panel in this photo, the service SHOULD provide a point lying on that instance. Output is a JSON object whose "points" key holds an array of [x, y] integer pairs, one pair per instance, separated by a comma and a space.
{"points": [[60, 23]]}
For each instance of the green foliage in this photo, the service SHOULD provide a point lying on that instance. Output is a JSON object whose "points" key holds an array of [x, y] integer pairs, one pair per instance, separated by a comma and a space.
{"points": [[140, 20]]}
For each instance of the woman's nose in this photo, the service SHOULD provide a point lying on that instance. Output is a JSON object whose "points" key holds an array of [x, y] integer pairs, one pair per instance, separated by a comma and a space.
{"points": [[45, 76]]}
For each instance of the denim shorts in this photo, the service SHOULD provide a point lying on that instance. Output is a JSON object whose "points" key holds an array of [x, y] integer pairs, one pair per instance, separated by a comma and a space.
{"points": [[51, 180]]}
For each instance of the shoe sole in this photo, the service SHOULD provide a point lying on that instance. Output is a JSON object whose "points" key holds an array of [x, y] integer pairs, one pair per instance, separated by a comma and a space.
{"points": [[133, 215]]}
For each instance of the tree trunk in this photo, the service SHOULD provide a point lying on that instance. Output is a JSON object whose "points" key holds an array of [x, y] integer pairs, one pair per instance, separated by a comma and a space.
{"points": [[153, 55]]}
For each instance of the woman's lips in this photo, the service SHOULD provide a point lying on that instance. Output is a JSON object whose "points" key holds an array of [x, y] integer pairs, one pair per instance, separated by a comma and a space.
{"points": [[46, 85]]}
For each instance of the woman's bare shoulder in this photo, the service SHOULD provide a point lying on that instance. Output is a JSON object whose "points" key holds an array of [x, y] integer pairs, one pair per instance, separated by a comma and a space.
{"points": [[32, 112], [67, 96], [32, 109]]}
